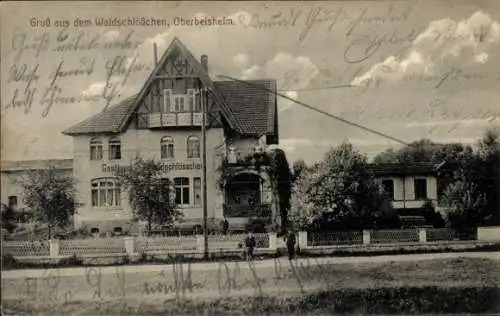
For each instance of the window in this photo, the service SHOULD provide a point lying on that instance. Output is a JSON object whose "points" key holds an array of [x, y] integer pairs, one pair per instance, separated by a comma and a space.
{"points": [[388, 186], [181, 191], [167, 147], [105, 193], [179, 102], [193, 147], [420, 189], [13, 201], [95, 149], [115, 149], [197, 191]]}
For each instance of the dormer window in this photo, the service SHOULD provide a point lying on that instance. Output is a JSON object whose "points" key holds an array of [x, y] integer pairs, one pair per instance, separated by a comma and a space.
{"points": [[179, 103]]}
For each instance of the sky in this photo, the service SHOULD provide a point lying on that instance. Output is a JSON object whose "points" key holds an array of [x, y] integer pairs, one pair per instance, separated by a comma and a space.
{"points": [[408, 69]]}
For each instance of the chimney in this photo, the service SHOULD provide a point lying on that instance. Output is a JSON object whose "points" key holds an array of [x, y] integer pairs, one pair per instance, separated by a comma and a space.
{"points": [[155, 49], [204, 62]]}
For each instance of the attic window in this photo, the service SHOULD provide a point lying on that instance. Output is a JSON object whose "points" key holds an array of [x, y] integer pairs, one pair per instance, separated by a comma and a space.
{"points": [[179, 103]]}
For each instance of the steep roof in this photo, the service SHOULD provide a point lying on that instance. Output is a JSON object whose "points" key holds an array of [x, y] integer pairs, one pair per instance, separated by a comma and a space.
{"points": [[252, 105], [108, 120], [247, 109]]}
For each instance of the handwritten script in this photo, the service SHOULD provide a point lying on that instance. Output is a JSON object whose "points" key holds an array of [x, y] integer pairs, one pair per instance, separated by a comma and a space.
{"points": [[177, 283], [80, 57]]}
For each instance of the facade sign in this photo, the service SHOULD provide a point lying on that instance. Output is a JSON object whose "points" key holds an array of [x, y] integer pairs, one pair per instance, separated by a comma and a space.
{"points": [[167, 166]]}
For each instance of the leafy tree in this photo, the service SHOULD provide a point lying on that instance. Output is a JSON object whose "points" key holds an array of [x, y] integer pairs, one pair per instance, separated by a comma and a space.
{"points": [[51, 196], [465, 204], [151, 196], [340, 192]]}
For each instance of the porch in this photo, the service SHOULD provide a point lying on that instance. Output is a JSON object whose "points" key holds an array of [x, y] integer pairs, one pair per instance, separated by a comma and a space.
{"points": [[247, 195]]}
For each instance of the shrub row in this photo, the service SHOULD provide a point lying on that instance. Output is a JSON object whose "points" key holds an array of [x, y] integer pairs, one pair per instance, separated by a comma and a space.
{"points": [[402, 300]]}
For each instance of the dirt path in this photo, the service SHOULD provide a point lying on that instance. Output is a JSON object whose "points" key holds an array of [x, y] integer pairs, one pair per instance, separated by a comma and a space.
{"points": [[270, 263]]}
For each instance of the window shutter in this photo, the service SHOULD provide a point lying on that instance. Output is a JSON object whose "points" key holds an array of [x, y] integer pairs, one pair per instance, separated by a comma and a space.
{"points": [[167, 100], [191, 100]]}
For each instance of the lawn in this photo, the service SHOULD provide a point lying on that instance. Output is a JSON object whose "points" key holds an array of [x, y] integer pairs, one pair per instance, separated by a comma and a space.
{"points": [[458, 285]]}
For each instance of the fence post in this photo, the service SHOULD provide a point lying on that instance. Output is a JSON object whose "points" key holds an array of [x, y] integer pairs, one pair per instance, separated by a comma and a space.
{"points": [[302, 240], [54, 247], [422, 235], [130, 245], [366, 237], [273, 241], [200, 243]]}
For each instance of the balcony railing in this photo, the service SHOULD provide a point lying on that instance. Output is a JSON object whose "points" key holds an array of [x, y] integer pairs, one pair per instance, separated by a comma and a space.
{"points": [[152, 120]]}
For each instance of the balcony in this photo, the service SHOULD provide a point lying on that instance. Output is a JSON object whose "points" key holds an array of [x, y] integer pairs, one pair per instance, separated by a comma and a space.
{"points": [[156, 120]]}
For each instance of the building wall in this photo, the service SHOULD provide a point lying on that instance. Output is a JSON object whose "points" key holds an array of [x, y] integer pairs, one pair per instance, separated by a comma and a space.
{"points": [[11, 185], [146, 144], [244, 146], [404, 190]]}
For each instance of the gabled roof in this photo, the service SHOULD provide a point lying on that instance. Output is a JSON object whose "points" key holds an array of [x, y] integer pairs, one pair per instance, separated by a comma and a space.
{"points": [[252, 105], [108, 120], [246, 108], [200, 72]]}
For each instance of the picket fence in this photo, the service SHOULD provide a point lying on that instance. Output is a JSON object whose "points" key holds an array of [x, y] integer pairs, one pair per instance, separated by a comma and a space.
{"points": [[227, 243]]}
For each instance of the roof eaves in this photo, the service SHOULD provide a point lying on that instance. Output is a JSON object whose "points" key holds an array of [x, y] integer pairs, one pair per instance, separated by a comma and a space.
{"points": [[73, 130]]}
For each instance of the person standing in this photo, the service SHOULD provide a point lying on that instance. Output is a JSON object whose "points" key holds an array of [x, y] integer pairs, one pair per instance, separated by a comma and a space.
{"points": [[290, 244], [225, 226], [250, 244]]}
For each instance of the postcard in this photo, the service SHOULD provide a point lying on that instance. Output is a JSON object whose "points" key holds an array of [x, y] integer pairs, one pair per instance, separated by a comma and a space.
{"points": [[220, 158]]}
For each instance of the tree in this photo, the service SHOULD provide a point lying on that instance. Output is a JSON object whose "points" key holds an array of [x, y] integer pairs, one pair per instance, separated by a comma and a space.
{"points": [[425, 151], [340, 192], [489, 175], [51, 196], [298, 168], [281, 177], [465, 204], [150, 193]]}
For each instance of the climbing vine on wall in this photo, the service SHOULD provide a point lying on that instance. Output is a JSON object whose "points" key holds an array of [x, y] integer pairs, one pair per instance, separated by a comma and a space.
{"points": [[275, 164]]}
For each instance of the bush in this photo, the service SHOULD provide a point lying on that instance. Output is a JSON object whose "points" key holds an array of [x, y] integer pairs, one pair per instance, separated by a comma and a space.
{"points": [[8, 261]]}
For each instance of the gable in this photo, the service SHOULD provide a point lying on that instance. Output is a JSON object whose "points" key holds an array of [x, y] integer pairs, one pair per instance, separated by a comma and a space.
{"points": [[176, 64], [178, 58], [248, 109]]}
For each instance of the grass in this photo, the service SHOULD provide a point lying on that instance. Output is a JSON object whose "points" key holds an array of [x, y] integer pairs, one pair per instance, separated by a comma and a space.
{"points": [[462, 285]]}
